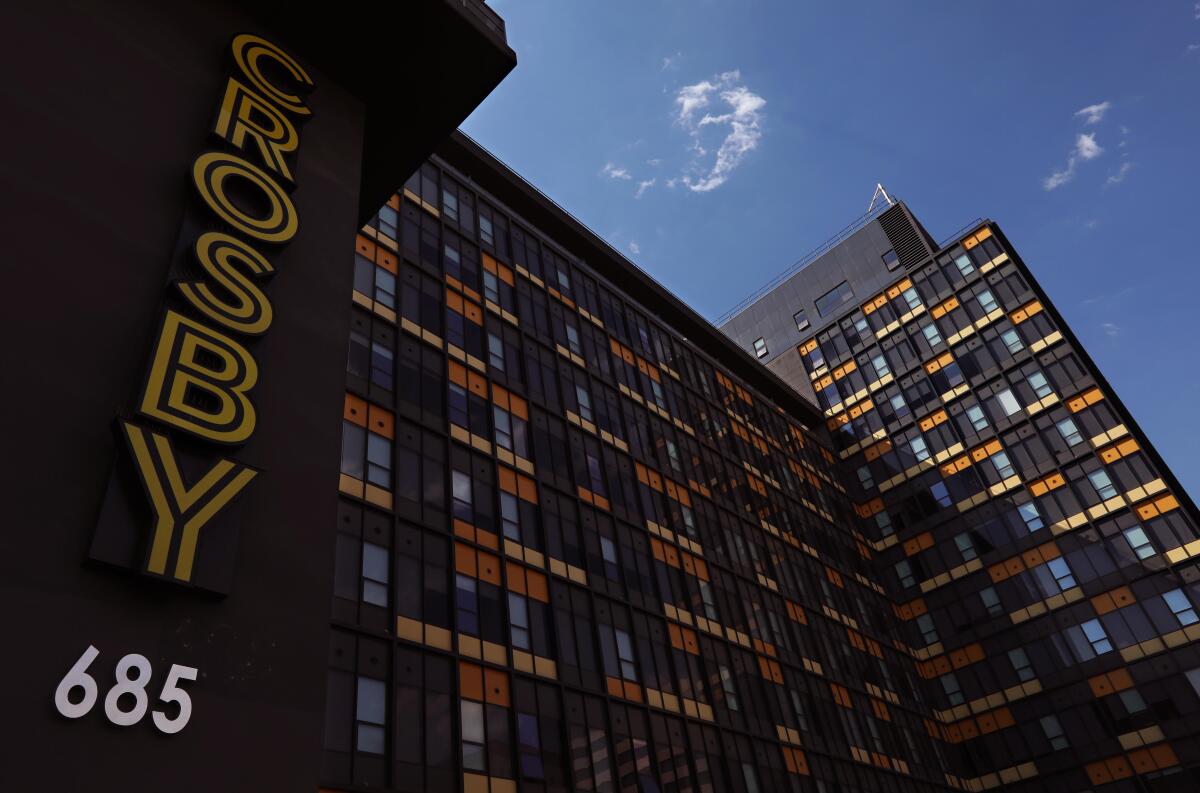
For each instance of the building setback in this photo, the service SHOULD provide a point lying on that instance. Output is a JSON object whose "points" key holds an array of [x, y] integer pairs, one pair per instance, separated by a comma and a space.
{"points": [[1014, 511]]}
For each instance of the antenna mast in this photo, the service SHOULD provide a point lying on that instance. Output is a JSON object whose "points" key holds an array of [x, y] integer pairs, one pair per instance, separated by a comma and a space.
{"points": [[879, 191]]}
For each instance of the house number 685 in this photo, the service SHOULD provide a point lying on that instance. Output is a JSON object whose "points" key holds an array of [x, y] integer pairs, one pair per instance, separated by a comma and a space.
{"points": [[133, 675]]}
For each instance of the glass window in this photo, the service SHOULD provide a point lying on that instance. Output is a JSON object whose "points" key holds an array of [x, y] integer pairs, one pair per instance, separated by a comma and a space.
{"points": [[800, 319], [461, 486], [1033, 519], [904, 570], [518, 618], [474, 751], [890, 259], [529, 746], [625, 653], [727, 686], [573, 339], [751, 778], [1054, 732], [1093, 631], [881, 368], [1103, 484], [1003, 465], [495, 352], [1069, 432], [358, 359], [919, 449], [585, 402], [354, 439], [991, 601], [951, 687], [1132, 700], [931, 335], [760, 347], [1181, 607], [370, 715], [466, 603], [1061, 572], [911, 298], [1008, 402], [1012, 340], [865, 478], [1040, 385], [899, 405], [379, 461], [928, 629], [834, 299], [977, 418], [966, 547], [510, 516], [375, 574], [987, 301], [1021, 664], [940, 493], [964, 265], [1139, 542]]}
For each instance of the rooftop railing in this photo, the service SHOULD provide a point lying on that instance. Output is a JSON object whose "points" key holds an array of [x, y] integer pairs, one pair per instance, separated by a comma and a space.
{"points": [[803, 262], [481, 11]]}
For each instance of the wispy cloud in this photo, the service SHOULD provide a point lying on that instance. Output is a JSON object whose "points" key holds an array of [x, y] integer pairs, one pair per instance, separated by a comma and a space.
{"points": [[643, 186], [1193, 47], [1111, 329], [671, 61], [616, 172], [654, 162], [742, 122], [1119, 175], [634, 248], [1086, 148], [1094, 114]]}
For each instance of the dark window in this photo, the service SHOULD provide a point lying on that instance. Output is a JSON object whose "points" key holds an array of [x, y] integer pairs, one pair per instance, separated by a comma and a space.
{"points": [[834, 299], [890, 260], [800, 319]]}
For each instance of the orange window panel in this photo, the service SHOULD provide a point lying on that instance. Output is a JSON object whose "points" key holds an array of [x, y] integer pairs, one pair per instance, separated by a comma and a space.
{"points": [[354, 410], [526, 489], [364, 246], [538, 586], [489, 263], [381, 421], [478, 384], [508, 479], [515, 574], [470, 681], [489, 567], [465, 561], [386, 260], [495, 684], [454, 301]]}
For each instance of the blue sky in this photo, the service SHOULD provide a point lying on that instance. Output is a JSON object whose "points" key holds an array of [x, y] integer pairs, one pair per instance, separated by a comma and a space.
{"points": [[717, 142]]}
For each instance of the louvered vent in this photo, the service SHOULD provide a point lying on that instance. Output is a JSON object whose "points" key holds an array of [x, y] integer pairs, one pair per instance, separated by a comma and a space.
{"points": [[910, 245]]}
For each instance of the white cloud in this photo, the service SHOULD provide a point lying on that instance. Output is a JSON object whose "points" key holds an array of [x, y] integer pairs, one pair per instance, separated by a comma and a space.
{"points": [[1111, 330], [634, 248], [1193, 47], [643, 186], [743, 117], [616, 172], [1093, 114], [1119, 175], [671, 61], [654, 162], [1086, 148], [1196, 9]]}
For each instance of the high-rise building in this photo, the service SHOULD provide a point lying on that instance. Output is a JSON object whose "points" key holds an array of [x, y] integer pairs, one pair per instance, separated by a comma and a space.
{"points": [[1015, 512], [577, 538]]}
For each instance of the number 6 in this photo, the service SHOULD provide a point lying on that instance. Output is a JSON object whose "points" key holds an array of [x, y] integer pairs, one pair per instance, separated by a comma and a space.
{"points": [[77, 677], [173, 693]]}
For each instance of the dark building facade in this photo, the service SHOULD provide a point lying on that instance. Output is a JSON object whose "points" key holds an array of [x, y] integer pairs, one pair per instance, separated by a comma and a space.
{"points": [[577, 538], [1014, 510]]}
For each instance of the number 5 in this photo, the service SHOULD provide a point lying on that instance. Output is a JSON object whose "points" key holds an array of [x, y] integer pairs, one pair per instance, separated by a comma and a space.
{"points": [[171, 692], [77, 677]]}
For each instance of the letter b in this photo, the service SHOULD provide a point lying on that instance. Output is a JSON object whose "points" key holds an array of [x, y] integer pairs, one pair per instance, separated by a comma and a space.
{"points": [[198, 382]]}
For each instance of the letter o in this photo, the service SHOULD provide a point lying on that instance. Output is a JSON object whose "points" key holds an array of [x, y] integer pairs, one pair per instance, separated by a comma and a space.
{"points": [[210, 172], [248, 48]]}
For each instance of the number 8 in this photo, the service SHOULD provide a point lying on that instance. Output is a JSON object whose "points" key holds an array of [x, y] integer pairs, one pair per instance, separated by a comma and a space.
{"points": [[127, 685]]}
